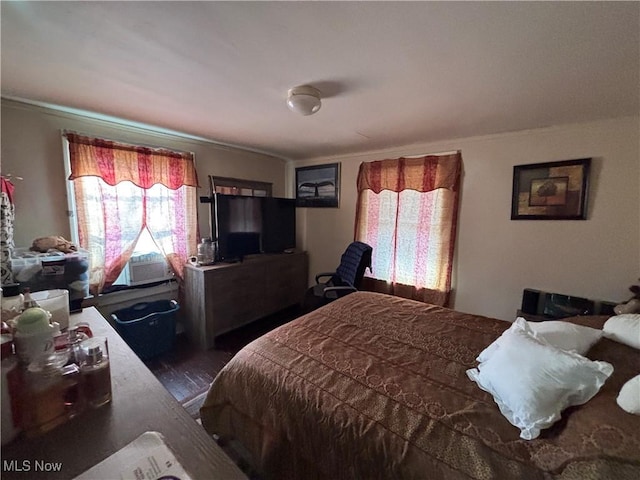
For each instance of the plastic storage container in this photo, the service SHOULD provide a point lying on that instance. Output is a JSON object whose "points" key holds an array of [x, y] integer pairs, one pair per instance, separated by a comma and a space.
{"points": [[55, 302], [149, 328], [54, 270]]}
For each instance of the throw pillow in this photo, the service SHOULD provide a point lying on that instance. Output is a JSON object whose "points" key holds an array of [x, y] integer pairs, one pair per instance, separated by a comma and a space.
{"points": [[533, 382], [624, 329], [563, 335], [629, 396]]}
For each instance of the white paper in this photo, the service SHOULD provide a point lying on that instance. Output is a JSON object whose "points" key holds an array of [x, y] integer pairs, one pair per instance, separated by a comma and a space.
{"points": [[146, 458]]}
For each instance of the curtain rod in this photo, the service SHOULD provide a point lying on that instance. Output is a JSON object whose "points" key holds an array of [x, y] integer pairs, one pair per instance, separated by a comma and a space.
{"points": [[10, 176], [433, 154], [450, 152], [153, 147]]}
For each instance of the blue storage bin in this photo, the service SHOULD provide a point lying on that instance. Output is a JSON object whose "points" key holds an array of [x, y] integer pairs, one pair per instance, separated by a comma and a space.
{"points": [[149, 328]]}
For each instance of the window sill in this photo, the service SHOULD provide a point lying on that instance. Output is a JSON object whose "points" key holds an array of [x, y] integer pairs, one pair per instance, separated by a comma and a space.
{"points": [[129, 293]]}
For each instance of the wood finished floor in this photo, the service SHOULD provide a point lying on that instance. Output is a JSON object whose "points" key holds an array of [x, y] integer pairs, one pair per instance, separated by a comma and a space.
{"points": [[186, 371]]}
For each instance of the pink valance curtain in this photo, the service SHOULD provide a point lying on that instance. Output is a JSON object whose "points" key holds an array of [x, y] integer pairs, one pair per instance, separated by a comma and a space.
{"points": [[422, 174], [407, 211], [122, 189], [115, 162]]}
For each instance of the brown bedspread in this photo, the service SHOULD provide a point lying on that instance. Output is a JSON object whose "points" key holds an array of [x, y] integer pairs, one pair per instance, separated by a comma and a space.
{"points": [[374, 386]]}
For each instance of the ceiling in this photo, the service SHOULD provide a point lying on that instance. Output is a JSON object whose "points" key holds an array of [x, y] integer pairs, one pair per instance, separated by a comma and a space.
{"points": [[391, 73]]}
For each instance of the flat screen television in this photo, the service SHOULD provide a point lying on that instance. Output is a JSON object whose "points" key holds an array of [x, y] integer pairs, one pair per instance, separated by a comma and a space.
{"points": [[278, 224], [249, 225]]}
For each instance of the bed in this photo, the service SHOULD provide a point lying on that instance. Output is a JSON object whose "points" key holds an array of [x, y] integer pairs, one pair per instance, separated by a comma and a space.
{"points": [[375, 386]]}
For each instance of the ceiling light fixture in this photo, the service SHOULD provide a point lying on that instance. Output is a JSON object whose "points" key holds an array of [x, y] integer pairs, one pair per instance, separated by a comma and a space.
{"points": [[304, 100]]}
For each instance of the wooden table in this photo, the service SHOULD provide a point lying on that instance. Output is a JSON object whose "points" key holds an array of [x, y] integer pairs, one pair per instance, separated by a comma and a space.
{"points": [[140, 403]]}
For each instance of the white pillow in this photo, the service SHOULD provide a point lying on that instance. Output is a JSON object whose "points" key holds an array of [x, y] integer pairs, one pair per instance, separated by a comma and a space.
{"points": [[624, 329], [563, 335], [629, 396], [533, 382], [567, 336]]}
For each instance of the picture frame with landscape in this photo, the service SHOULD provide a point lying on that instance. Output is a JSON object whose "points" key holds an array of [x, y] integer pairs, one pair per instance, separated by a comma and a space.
{"points": [[551, 190]]}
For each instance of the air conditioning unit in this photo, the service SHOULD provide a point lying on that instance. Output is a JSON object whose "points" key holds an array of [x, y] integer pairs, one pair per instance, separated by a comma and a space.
{"points": [[143, 269]]}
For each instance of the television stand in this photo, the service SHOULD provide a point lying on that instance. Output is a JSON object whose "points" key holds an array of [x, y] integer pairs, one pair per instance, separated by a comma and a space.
{"points": [[225, 296]]}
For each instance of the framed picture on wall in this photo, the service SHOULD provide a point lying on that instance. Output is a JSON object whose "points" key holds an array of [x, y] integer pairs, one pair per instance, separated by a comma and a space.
{"points": [[318, 186], [551, 191]]}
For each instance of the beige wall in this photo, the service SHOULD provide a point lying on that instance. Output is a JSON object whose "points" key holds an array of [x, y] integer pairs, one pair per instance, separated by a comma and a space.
{"points": [[32, 149], [496, 258]]}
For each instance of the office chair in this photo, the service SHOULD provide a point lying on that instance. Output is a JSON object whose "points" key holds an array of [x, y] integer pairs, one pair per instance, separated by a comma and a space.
{"points": [[345, 280]]}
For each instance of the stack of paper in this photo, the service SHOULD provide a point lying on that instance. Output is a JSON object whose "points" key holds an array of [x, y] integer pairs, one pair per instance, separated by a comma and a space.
{"points": [[146, 458]]}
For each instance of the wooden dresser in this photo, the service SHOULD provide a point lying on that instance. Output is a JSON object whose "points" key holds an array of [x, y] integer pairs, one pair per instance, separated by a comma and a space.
{"points": [[140, 404], [222, 297]]}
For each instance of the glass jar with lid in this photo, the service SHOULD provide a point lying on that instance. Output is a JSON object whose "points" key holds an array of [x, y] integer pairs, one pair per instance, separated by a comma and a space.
{"points": [[52, 393], [206, 252], [95, 371]]}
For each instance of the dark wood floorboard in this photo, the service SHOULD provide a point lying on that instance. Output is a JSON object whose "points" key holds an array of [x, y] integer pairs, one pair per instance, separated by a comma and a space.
{"points": [[186, 371]]}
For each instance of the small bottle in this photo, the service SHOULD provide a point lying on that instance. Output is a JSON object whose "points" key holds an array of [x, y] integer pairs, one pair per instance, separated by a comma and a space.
{"points": [[95, 372], [75, 337], [29, 302], [33, 334]]}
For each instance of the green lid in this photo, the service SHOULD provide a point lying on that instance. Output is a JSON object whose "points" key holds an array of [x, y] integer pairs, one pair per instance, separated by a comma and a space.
{"points": [[33, 320]]}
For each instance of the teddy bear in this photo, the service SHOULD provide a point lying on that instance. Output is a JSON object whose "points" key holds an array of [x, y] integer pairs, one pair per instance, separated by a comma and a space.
{"points": [[632, 305]]}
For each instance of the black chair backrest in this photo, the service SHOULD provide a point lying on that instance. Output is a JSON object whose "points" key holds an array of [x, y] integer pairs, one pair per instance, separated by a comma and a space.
{"points": [[354, 261]]}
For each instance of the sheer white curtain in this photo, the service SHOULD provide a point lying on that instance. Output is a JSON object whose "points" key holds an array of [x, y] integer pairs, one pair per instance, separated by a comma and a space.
{"points": [[407, 211], [122, 189]]}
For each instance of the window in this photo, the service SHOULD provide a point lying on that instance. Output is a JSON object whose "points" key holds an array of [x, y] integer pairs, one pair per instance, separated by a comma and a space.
{"points": [[236, 186], [130, 199], [406, 211]]}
